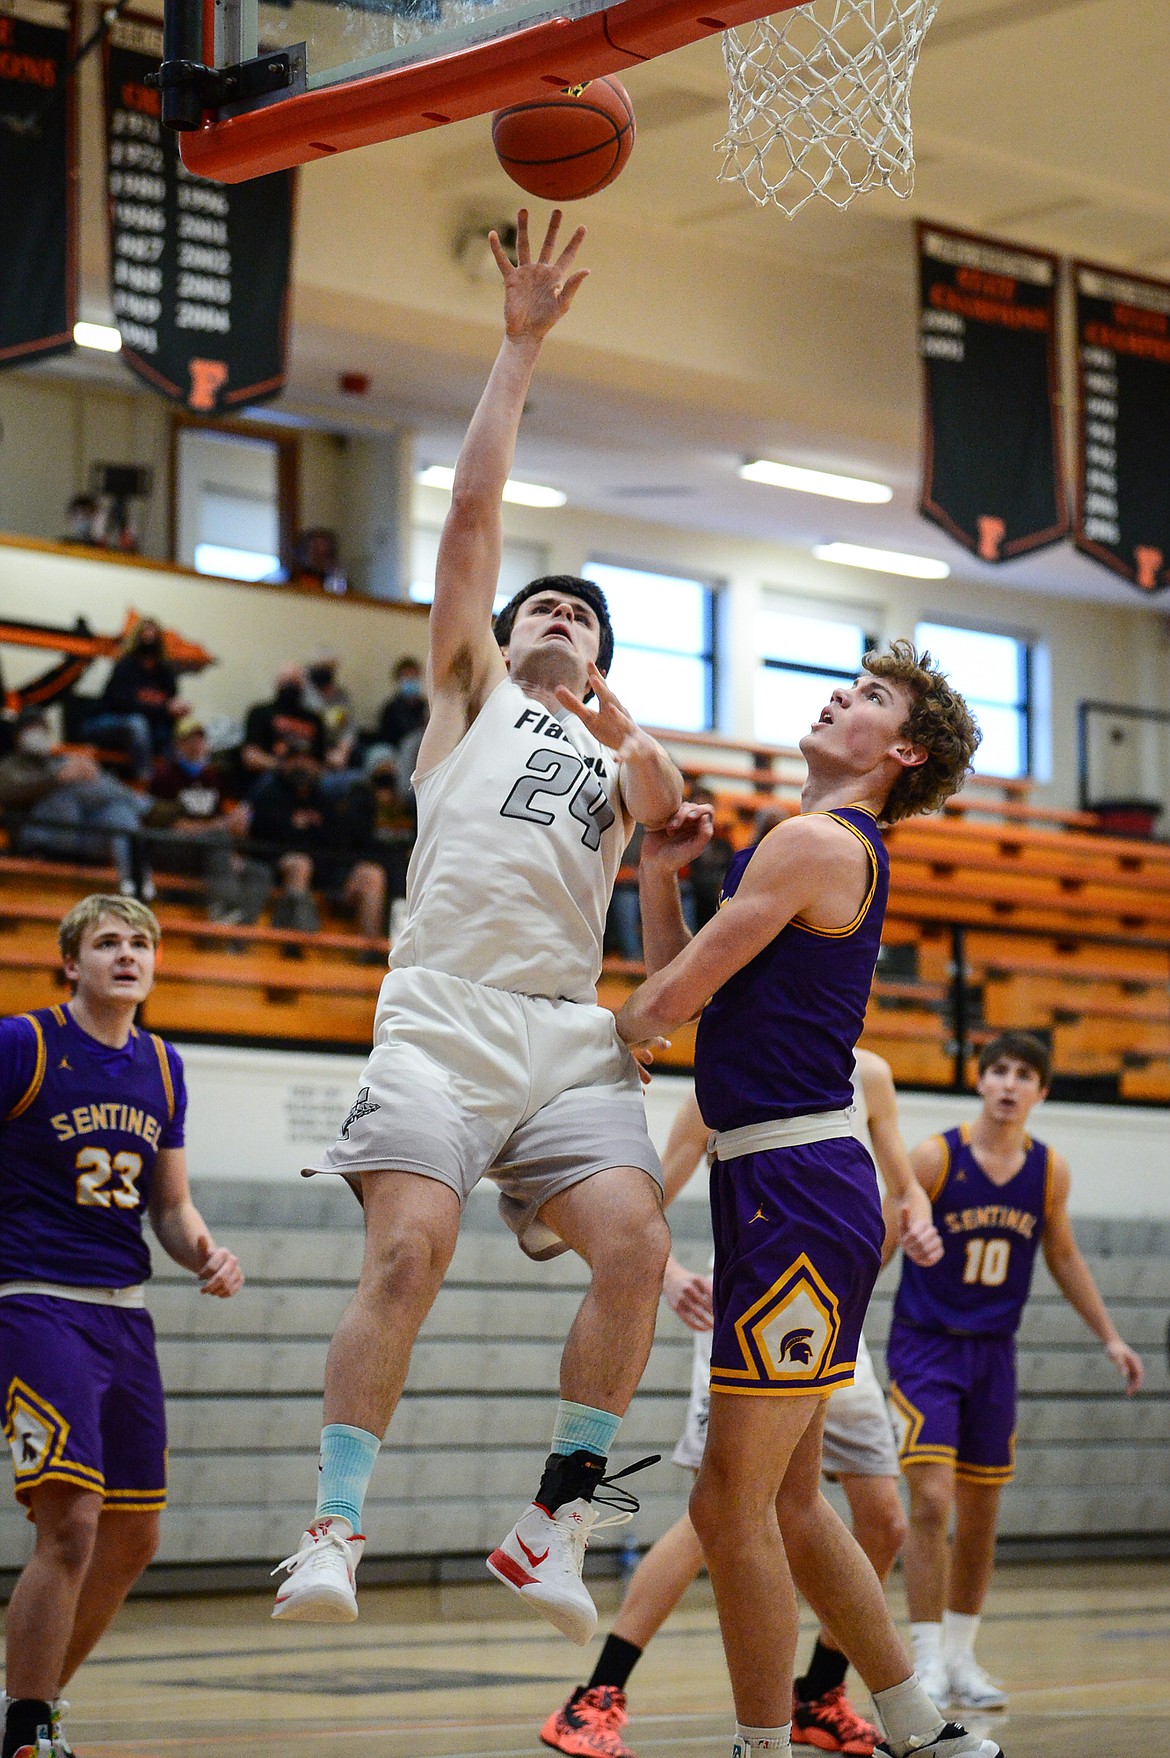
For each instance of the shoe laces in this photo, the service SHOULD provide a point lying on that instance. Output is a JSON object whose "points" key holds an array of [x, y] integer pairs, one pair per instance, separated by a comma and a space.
{"points": [[313, 1544], [605, 1705], [623, 1500]]}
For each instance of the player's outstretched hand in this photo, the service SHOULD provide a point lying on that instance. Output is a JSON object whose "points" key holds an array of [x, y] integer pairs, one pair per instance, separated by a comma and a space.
{"points": [[677, 843], [610, 723], [537, 294], [917, 1234], [643, 1055], [689, 1296], [219, 1271], [1128, 1363]]}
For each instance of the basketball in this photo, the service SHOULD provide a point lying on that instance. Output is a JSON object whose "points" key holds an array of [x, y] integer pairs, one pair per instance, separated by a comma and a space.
{"points": [[569, 144]]}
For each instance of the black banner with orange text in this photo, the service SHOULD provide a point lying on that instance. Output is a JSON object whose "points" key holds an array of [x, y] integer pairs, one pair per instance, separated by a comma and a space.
{"points": [[200, 271], [1123, 424], [38, 181], [992, 471]]}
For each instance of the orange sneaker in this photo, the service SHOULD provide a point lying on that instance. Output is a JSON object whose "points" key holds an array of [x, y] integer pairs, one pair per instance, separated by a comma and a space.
{"points": [[833, 1725], [589, 1724]]}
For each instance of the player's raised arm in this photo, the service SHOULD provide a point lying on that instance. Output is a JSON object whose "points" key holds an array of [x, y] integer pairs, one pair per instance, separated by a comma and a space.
{"points": [[464, 659], [1074, 1278], [665, 853], [651, 782], [183, 1233], [804, 863], [906, 1208]]}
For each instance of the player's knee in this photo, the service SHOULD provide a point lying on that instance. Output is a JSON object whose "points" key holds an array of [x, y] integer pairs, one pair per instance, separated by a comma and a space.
{"points": [[406, 1268], [66, 1542], [930, 1507], [635, 1251], [883, 1531]]}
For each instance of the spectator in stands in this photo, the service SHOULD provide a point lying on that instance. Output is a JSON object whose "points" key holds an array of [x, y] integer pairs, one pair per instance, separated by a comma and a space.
{"points": [[324, 836], [270, 726], [64, 805], [85, 522], [708, 869], [140, 703], [316, 562], [324, 696], [190, 806], [401, 723]]}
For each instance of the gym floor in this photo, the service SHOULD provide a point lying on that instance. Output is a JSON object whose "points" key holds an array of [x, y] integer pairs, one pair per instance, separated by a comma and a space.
{"points": [[455, 1672]]}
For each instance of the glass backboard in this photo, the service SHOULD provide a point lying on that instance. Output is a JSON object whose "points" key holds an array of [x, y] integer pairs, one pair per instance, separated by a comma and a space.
{"points": [[367, 70]]}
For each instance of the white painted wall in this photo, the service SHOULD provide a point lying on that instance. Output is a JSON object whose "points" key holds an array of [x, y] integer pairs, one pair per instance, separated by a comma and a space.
{"points": [[263, 1114]]}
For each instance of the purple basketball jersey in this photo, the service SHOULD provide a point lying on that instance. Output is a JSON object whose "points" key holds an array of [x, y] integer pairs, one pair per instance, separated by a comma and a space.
{"points": [[82, 1126], [777, 1039], [990, 1233]]}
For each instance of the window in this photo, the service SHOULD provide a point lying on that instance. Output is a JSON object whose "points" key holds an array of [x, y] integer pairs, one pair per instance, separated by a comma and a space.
{"points": [[228, 502], [664, 659], [802, 658], [519, 563], [994, 674]]}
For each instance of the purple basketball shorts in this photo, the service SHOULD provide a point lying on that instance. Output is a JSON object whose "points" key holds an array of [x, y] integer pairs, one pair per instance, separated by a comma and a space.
{"points": [[954, 1401], [83, 1400], [798, 1238]]}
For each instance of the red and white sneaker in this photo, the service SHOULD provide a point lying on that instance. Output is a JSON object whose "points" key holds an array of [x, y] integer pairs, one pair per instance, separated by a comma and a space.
{"points": [[320, 1585], [833, 1725], [541, 1560], [589, 1725]]}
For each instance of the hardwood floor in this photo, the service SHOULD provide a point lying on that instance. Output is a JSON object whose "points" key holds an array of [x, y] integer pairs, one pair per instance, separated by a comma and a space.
{"points": [[459, 1672]]}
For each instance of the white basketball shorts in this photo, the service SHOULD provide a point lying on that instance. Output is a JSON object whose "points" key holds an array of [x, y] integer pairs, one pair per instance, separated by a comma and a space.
{"points": [[859, 1440], [465, 1082]]}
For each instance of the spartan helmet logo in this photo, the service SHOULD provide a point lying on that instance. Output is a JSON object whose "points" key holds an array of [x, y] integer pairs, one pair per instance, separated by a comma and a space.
{"points": [[797, 1345], [360, 1108]]}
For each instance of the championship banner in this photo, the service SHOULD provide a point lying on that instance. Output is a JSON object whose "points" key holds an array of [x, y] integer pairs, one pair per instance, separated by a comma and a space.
{"points": [[38, 181], [200, 271], [992, 473], [1123, 424]]}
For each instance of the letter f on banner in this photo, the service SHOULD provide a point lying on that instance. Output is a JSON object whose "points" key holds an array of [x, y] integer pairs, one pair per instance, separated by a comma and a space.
{"points": [[207, 379]]}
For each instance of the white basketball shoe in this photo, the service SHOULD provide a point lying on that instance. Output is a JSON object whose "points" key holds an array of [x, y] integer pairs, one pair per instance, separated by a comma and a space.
{"points": [[935, 1680], [972, 1687], [951, 1741], [541, 1560], [320, 1585]]}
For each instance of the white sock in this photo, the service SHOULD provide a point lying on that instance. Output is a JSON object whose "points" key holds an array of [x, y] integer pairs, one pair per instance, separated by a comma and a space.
{"points": [[906, 1713], [750, 1740], [926, 1645], [959, 1630]]}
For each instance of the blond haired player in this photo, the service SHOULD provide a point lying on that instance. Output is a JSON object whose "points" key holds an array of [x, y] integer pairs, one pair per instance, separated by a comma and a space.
{"points": [[491, 1056], [858, 1453], [91, 1140]]}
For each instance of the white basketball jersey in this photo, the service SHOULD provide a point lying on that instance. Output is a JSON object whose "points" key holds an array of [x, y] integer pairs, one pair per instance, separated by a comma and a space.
{"points": [[521, 831]]}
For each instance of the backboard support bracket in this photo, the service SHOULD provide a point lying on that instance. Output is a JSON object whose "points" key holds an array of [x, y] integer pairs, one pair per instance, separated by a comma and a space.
{"points": [[190, 88]]}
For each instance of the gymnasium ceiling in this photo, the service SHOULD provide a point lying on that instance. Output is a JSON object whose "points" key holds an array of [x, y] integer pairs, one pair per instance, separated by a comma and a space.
{"points": [[712, 329]]}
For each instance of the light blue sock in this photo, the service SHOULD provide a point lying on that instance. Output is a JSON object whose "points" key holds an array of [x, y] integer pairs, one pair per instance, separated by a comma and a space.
{"points": [[579, 1425], [347, 1459]]}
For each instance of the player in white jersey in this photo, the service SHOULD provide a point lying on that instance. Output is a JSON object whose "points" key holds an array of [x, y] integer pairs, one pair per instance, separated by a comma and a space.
{"points": [[859, 1453], [491, 1055]]}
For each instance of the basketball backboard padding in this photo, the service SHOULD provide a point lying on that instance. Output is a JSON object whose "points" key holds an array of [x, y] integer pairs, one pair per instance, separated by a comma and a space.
{"points": [[361, 104]]}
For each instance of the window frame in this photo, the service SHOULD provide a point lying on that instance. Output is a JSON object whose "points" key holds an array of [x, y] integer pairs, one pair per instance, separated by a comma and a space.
{"points": [[1026, 644], [288, 475], [870, 638], [712, 587]]}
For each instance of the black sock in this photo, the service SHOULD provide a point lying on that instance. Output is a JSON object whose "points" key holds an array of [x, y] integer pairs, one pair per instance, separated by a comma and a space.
{"points": [[569, 1477], [27, 1718], [615, 1663], [826, 1670]]}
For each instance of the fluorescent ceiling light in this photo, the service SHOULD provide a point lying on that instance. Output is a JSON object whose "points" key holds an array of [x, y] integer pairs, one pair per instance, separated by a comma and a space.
{"points": [[522, 494], [838, 488], [883, 561], [98, 336]]}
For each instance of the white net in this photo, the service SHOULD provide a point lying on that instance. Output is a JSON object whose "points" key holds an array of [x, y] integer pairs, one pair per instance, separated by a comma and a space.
{"points": [[820, 101]]}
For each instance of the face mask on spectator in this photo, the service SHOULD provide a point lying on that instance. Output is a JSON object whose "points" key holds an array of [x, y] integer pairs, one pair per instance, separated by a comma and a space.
{"points": [[189, 765], [288, 699], [321, 676], [35, 741], [410, 686], [150, 645]]}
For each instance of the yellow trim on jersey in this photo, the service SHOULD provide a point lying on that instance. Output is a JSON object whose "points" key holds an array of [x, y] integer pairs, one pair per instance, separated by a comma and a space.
{"points": [[937, 1190], [34, 1086], [145, 1506], [984, 1473], [1049, 1156], [164, 1066], [820, 1389], [856, 806], [850, 927], [909, 1451], [58, 1014]]}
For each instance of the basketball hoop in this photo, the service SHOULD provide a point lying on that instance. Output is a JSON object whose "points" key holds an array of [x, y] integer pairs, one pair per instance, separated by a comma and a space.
{"points": [[820, 101]]}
